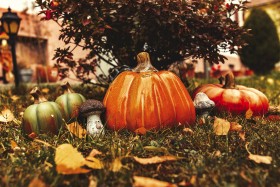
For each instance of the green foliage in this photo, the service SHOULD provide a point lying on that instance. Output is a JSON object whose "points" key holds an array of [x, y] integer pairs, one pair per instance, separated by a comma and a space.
{"points": [[116, 31], [263, 49]]}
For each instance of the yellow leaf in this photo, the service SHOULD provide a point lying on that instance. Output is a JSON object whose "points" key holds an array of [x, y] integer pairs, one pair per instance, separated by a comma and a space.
{"points": [[234, 126], [77, 130], [6, 116], [116, 165], [68, 160], [154, 160], [221, 126], [249, 113], [93, 163], [148, 182]]}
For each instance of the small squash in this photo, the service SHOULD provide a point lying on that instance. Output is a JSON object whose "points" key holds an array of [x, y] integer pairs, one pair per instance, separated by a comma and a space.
{"points": [[69, 102], [146, 98], [236, 99], [43, 116]]}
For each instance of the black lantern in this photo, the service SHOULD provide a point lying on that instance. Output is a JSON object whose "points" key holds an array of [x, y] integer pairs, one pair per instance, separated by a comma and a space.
{"points": [[10, 24]]}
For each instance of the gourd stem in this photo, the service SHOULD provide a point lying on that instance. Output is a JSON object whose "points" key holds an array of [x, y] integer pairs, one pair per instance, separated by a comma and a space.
{"points": [[67, 88], [229, 80], [38, 96], [144, 63]]}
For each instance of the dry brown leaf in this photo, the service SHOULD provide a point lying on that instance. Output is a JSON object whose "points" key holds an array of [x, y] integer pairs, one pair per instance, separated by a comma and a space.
{"points": [[6, 116], [43, 142], [258, 158], [32, 135], [155, 149], [94, 152], [249, 113], [77, 130], [242, 135], [234, 126], [116, 165], [243, 175], [148, 182], [68, 160], [93, 163], [36, 182], [221, 126], [154, 160], [188, 131]]}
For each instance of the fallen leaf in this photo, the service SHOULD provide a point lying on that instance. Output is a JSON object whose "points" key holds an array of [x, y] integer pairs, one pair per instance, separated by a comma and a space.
{"points": [[94, 152], [6, 116], [116, 165], [243, 175], [221, 126], [77, 130], [13, 144], [154, 160], [234, 126], [188, 131], [36, 182], [249, 113], [45, 90], [141, 131], [69, 161], [14, 97], [92, 181], [43, 142], [155, 149], [242, 135], [148, 182], [93, 163], [258, 158]]}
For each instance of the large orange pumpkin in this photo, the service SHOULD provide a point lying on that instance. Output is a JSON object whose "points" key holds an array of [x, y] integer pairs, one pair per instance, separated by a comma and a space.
{"points": [[145, 98], [236, 99]]}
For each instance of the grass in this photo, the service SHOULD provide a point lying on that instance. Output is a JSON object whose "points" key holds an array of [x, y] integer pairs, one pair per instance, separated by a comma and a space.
{"points": [[206, 159]]}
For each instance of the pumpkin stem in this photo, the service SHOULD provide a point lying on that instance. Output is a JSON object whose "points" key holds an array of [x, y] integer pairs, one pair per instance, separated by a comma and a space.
{"points": [[38, 96], [144, 63], [229, 80], [67, 88]]}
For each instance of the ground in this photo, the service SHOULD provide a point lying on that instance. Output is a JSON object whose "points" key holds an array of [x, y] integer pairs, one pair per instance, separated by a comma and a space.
{"points": [[194, 156]]}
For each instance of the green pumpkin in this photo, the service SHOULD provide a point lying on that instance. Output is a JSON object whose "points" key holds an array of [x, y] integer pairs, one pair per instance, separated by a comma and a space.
{"points": [[69, 102], [43, 116]]}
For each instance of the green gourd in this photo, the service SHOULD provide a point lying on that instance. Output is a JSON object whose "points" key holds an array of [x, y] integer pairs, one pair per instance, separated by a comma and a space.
{"points": [[69, 102], [43, 116]]}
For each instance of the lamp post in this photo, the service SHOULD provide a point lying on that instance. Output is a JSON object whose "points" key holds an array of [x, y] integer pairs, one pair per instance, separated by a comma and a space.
{"points": [[10, 23]]}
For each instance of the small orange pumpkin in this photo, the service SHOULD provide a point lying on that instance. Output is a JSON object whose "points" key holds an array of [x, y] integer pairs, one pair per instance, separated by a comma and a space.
{"points": [[145, 98], [236, 99]]}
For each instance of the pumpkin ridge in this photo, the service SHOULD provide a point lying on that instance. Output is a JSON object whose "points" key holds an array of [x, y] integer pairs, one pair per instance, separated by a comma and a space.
{"points": [[37, 119], [158, 100], [185, 98], [54, 108], [169, 96]]}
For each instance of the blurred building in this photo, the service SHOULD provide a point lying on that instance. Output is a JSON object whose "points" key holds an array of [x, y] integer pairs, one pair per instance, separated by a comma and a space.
{"points": [[35, 48]]}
